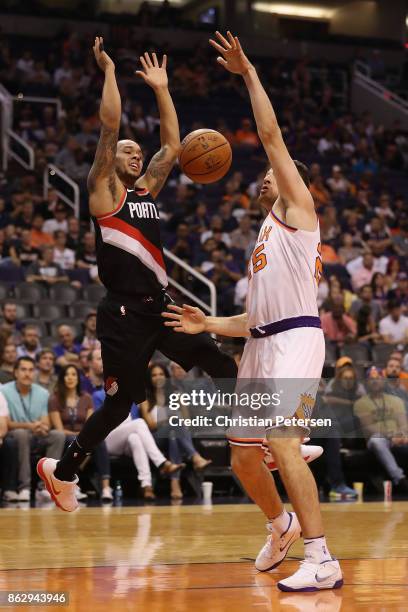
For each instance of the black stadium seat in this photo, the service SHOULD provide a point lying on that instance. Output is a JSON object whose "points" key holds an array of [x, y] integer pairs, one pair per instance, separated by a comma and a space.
{"points": [[79, 310], [381, 353], [63, 293], [30, 292], [48, 311], [94, 293]]}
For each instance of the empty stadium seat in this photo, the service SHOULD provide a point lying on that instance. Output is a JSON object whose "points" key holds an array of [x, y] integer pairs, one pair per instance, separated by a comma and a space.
{"points": [[358, 352], [381, 353], [79, 310], [49, 311], [94, 293], [30, 292], [63, 293], [4, 291]]}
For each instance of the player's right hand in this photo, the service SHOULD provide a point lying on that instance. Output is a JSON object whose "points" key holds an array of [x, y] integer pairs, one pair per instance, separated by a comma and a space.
{"points": [[102, 58], [232, 56], [187, 319]]}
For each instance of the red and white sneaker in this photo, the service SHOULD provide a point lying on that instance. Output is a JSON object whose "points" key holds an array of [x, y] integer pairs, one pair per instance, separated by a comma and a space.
{"points": [[309, 453], [62, 492]]}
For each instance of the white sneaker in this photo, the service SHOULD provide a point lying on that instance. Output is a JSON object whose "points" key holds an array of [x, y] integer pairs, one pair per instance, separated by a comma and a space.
{"points": [[42, 495], [314, 577], [24, 495], [309, 453], [10, 496], [79, 495], [107, 494], [62, 492], [277, 545]]}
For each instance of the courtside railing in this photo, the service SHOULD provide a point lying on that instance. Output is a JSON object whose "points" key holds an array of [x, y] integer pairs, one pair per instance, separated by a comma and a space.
{"points": [[210, 308], [40, 100], [50, 173], [381, 98], [16, 146]]}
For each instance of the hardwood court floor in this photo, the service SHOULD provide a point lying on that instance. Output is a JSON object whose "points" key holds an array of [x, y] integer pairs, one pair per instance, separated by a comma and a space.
{"points": [[197, 558]]}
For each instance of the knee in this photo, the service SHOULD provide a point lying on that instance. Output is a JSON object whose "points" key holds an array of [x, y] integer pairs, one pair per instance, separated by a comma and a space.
{"points": [[280, 446], [141, 425], [134, 441], [246, 459], [56, 436], [21, 435]]}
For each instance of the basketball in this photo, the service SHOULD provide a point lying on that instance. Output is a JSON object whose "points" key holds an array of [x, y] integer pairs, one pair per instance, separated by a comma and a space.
{"points": [[205, 156]]}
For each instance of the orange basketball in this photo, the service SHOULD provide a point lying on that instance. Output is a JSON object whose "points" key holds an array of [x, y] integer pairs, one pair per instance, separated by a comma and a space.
{"points": [[205, 156]]}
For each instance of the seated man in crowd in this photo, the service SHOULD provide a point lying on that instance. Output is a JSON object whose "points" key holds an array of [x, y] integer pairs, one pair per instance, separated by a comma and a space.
{"points": [[394, 327], [45, 271], [8, 456], [29, 424], [93, 380], [8, 360], [67, 351], [30, 345], [88, 339], [45, 375], [10, 321], [337, 326], [384, 422]]}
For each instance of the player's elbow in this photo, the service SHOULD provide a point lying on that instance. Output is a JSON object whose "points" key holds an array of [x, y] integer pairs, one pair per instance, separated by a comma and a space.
{"points": [[173, 149], [268, 135]]}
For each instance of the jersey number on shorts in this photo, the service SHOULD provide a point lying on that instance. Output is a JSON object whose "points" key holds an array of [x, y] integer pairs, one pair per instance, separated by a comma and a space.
{"points": [[318, 264]]}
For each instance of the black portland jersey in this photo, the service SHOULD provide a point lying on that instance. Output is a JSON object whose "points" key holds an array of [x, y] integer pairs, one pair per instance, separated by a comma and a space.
{"points": [[128, 246]]}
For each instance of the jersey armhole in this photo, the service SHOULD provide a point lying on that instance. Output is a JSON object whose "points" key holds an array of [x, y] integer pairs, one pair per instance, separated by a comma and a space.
{"points": [[115, 210]]}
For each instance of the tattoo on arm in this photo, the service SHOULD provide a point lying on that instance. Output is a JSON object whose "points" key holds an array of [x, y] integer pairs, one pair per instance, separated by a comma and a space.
{"points": [[158, 170], [104, 162]]}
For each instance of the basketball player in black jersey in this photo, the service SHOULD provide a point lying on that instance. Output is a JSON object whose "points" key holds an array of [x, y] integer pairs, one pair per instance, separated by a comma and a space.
{"points": [[131, 266]]}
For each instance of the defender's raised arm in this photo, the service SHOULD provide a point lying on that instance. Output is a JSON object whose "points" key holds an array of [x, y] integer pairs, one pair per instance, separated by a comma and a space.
{"points": [[162, 162], [291, 186]]}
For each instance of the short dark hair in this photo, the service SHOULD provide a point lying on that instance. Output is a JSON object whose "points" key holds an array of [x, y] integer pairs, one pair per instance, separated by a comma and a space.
{"points": [[303, 171], [23, 358], [44, 351]]}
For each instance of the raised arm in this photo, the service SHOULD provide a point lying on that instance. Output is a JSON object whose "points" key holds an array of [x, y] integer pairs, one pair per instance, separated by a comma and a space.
{"points": [[192, 320], [103, 185], [291, 187], [163, 161]]}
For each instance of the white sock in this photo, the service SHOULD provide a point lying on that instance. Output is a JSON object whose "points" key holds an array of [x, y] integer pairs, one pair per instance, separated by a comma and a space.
{"points": [[280, 522], [316, 550]]}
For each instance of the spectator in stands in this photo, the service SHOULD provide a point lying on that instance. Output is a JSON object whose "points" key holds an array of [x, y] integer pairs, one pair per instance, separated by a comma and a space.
{"points": [[366, 299], [393, 269], [377, 236], [38, 237], [246, 136], [182, 245], [67, 350], [88, 339], [22, 252], [321, 195], [394, 327], [199, 222], [8, 362], [69, 407], [240, 293], [83, 362], [379, 288], [400, 291], [45, 374], [155, 412], [74, 233], [384, 422], [400, 241], [224, 273], [30, 345], [29, 424], [86, 254], [244, 237], [337, 326], [396, 382], [63, 257], [337, 183], [216, 231], [59, 222], [93, 380], [46, 271], [10, 321], [8, 456], [383, 209], [133, 438], [366, 326], [349, 250], [361, 270]]}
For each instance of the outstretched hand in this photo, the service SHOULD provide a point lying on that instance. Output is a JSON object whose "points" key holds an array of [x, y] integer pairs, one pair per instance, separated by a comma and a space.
{"points": [[153, 74], [232, 56], [187, 319], [102, 58]]}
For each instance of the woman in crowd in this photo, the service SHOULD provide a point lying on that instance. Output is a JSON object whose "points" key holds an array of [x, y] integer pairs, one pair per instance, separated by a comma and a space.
{"points": [[155, 412], [69, 407], [366, 326], [379, 287], [133, 438]]}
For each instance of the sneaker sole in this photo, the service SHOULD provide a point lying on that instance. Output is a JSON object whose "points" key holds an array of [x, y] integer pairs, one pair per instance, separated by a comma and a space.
{"points": [[44, 478], [275, 565], [286, 589]]}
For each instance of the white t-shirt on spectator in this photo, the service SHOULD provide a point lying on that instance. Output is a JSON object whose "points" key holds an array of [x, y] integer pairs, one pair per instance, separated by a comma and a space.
{"points": [[65, 258], [52, 225], [4, 411], [380, 265], [396, 330], [241, 290], [209, 234]]}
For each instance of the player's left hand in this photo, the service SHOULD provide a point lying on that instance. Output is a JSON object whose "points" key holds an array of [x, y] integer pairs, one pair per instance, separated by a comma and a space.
{"points": [[153, 74], [232, 56], [187, 319]]}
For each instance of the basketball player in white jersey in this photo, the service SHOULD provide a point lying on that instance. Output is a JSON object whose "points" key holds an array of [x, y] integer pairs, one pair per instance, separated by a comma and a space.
{"points": [[285, 342]]}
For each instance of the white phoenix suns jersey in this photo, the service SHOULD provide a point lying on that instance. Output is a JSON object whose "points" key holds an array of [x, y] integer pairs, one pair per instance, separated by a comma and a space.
{"points": [[284, 272]]}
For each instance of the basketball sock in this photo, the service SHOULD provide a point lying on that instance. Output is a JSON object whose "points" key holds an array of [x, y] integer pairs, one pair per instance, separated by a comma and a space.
{"points": [[316, 550], [280, 522], [70, 462]]}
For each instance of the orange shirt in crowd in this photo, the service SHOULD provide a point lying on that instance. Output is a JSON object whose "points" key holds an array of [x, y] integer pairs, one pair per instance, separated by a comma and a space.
{"points": [[37, 238]]}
